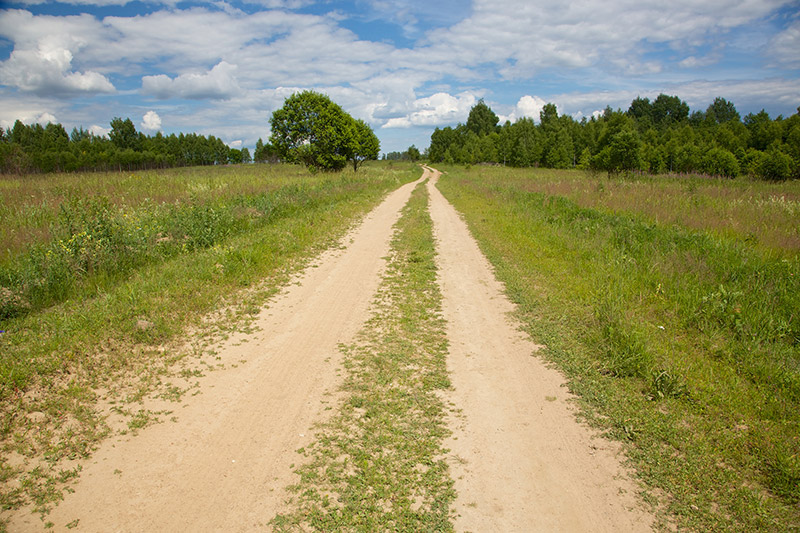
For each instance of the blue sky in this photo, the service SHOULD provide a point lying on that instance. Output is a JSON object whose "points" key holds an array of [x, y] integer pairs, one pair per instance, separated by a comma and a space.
{"points": [[404, 66]]}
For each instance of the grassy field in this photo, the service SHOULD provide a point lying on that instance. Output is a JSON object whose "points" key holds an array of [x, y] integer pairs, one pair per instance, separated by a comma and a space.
{"points": [[672, 305], [103, 275]]}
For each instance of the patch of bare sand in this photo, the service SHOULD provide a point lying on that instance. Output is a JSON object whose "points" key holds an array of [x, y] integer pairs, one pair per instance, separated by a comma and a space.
{"points": [[520, 460], [223, 465]]}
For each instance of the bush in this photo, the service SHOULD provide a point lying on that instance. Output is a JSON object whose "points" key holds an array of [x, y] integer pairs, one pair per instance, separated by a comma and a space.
{"points": [[720, 162], [773, 165]]}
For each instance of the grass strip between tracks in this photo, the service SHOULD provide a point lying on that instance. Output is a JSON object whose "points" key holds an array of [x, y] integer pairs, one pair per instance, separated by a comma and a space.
{"points": [[378, 463]]}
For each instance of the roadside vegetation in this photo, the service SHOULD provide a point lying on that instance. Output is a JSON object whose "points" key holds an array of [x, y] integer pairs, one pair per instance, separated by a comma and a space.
{"points": [[378, 463], [103, 276], [673, 308]]}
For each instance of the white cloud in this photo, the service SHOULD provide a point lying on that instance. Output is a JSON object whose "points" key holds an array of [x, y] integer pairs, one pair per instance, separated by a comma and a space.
{"points": [[783, 50], [235, 144], [521, 37], [435, 110], [151, 121], [217, 84], [44, 50], [527, 106], [100, 131]]}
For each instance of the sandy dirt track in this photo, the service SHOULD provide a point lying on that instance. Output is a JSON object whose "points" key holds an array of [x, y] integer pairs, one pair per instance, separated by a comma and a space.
{"points": [[519, 459], [521, 462], [224, 465]]}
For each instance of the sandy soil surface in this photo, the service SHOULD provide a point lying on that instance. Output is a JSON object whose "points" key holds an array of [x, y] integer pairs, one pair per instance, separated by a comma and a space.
{"points": [[224, 464], [520, 460]]}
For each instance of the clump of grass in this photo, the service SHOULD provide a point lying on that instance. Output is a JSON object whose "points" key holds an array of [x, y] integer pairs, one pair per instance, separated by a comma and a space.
{"points": [[122, 332], [378, 464], [684, 343]]}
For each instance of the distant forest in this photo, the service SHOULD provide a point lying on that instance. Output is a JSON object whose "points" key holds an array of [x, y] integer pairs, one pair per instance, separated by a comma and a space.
{"points": [[654, 137], [37, 148]]}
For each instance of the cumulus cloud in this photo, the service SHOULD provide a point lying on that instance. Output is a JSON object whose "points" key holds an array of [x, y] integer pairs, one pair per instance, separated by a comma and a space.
{"points": [[217, 84], [151, 121], [100, 131], [41, 61], [435, 110], [46, 71], [527, 106]]}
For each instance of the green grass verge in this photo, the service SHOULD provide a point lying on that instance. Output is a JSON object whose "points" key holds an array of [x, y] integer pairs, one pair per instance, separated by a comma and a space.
{"points": [[684, 344], [120, 336], [378, 463]]}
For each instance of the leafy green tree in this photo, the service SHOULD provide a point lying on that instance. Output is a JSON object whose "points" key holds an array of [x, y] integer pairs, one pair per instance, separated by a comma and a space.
{"points": [[311, 129], [548, 116], [234, 156], [413, 153], [123, 134], [720, 162], [763, 130], [721, 111], [265, 153], [621, 154], [668, 110], [362, 144], [526, 142], [441, 142], [482, 120], [773, 165]]}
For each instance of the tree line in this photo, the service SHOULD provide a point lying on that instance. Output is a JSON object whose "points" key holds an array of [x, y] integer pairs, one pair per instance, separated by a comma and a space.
{"points": [[36, 148], [655, 137]]}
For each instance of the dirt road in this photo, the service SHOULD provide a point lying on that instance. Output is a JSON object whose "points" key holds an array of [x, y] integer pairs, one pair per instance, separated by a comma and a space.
{"points": [[224, 464], [520, 461]]}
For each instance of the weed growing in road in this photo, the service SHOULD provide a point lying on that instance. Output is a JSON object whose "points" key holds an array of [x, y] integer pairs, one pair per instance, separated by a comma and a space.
{"points": [[682, 342], [378, 464]]}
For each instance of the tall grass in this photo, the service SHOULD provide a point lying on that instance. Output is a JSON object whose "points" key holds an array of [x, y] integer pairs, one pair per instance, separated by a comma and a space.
{"points": [[682, 341], [764, 214]]}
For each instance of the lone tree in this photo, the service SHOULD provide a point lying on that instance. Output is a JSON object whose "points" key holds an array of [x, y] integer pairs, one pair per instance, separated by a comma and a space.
{"points": [[363, 144], [311, 129], [482, 120]]}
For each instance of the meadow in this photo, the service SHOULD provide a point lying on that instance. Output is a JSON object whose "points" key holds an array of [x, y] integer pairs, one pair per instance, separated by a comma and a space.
{"points": [[103, 273], [672, 305]]}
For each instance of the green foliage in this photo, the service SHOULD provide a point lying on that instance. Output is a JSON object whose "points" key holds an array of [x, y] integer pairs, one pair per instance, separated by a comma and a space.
{"points": [[659, 137], [312, 130], [720, 162], [482, 120], [621, 154], [123, 134], [363, 144], [35, 148], [773, 165]]}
